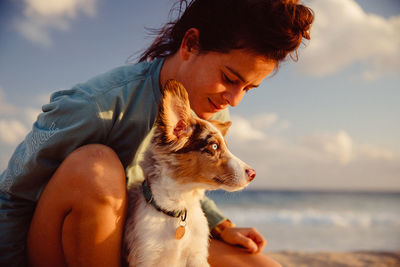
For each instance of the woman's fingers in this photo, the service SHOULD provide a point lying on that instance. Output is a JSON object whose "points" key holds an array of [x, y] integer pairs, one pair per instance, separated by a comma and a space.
{"points": [[249, 238]]}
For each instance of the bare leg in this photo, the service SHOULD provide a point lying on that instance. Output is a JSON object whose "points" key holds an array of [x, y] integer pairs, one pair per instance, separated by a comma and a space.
{"points": [[222, 254], [79, 218]]}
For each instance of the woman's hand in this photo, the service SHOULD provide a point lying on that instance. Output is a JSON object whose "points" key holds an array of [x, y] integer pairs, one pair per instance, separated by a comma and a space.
{"points": [[249, 238]]}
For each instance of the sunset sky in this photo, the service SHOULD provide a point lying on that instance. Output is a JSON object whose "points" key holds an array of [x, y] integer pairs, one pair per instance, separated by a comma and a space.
{"points": [[331, 121]]}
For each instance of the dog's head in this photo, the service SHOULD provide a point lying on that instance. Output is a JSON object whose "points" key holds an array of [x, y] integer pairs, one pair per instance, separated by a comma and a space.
{"points": [[194, 150]]}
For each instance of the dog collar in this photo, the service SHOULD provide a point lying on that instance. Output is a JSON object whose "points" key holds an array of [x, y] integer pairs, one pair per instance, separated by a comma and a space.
{"points": [[149, 198]]}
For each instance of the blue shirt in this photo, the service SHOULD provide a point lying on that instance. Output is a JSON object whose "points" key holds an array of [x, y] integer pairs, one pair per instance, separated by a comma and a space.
{"points": [[117, 109]]}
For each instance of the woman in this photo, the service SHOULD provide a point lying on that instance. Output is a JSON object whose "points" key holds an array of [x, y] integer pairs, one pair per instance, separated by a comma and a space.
{"points": [[63, 195]]}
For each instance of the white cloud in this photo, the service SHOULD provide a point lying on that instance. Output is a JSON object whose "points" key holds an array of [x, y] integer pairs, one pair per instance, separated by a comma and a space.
{"points": [[343, 34], [242, 130], [264, 120], [12, 132], [14, 122], [255, 128], [341, 148], [329, 160], [5, 108], [41, 16], [31, 114], [59, 8], [375, 153], [337, 146]]}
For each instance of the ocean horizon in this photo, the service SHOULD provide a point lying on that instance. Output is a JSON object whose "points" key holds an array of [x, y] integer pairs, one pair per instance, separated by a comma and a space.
{"points": [[317, 220]]}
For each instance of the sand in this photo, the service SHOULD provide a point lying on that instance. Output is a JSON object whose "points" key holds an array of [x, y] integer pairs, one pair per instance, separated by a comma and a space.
{"points": [[333, 259]]}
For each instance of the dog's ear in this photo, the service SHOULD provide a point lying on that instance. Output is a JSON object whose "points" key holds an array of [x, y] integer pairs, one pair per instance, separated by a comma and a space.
{"points": [[223, 127], [174, 112]]}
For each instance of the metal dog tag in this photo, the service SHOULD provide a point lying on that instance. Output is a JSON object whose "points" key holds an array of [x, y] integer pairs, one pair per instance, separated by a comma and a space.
{"points": [[180, 232]]}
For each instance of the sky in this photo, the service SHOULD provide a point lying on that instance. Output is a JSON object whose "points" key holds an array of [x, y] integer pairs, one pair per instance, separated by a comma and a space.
{"points": [[330, 121]]}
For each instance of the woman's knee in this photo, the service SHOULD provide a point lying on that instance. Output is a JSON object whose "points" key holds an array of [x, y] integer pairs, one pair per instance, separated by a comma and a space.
{"points": [[94, 174], [88, 186]]}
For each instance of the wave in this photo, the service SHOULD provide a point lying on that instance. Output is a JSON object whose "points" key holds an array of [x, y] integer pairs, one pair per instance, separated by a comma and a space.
{"points": [[312, 217]]}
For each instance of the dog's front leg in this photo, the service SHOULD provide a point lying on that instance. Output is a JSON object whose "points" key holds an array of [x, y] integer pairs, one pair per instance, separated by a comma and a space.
{"points": [[197, 261], [198, 257]]}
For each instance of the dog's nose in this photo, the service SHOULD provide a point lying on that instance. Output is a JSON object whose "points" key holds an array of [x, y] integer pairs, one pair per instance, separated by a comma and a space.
{"points": [[251, 174]]}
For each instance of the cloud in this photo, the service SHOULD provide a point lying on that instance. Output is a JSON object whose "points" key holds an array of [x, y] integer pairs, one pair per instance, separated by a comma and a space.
{"points": [[31, 114], [243, 131], [338, 146], [14, 121], [375, 153], [264, 120], [5, 108], [255, 128], [42, 16], [327, 160], [341, 148], [12, 132], [343, 34]]}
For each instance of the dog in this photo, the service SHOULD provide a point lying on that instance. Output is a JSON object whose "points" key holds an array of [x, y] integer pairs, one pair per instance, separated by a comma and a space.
{"points": [[187, 155]]}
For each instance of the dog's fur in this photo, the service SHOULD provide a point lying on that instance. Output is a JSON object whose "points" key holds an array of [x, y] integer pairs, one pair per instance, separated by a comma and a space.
{"points": [[187, 156]]}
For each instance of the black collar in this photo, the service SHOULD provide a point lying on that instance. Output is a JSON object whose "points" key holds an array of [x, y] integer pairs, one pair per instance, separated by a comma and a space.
{"points": [[149, 198]]}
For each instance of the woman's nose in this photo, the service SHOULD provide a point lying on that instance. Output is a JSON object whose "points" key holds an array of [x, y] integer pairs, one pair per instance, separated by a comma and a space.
{"points": [[233, 96]]}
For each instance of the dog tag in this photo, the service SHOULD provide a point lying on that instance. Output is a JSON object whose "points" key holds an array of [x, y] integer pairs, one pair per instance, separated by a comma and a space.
{"points": [[180, 232]]}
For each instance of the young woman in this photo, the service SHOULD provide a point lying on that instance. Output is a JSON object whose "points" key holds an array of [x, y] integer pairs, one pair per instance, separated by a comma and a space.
{"points": [[63, 195]]}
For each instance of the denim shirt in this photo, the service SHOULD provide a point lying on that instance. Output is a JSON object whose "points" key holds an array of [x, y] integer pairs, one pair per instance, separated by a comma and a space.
{"points": [[117, 109]]}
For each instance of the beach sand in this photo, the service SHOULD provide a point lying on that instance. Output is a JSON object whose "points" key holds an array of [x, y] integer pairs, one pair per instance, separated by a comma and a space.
{"points": [[337, 259]]}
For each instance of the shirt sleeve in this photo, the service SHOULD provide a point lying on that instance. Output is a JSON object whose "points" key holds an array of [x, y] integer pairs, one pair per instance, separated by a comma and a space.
{"points": [[212, 212], [70, 120]]}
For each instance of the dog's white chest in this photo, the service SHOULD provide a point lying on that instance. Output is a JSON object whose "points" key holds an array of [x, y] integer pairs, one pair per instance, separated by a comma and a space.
{"points": [[150, 237]]}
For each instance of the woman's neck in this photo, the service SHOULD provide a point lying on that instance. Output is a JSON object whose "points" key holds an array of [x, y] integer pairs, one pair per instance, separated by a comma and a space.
{"points": [[169, 69]]}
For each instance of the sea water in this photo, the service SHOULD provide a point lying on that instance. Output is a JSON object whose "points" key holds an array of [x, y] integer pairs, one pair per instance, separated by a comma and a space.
{"points": [[317, 221]]}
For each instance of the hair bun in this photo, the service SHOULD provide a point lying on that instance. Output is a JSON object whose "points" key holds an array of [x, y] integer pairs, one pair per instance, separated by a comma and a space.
{"points": [[302, 18]]}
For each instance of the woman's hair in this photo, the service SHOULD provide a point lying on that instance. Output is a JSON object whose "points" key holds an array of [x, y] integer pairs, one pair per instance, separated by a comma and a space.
{"points": [[272, 28]]}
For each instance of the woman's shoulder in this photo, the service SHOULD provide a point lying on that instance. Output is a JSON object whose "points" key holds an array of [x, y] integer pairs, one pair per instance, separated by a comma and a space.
{"points": [[123, 82], [129, 74]]}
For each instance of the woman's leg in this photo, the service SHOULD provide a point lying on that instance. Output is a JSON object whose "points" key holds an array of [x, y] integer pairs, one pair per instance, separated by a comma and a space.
{"points": [[80, 215], [222, 254]]}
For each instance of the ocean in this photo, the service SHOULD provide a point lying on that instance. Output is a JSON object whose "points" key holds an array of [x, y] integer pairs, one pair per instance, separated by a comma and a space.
{"points": [[317, 221]]}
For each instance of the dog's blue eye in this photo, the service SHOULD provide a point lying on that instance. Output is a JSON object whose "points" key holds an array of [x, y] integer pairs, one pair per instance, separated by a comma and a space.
{"points": [[214, 146]]}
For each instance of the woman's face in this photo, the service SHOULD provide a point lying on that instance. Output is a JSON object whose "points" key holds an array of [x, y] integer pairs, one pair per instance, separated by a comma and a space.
{"points": [[215, 80]]}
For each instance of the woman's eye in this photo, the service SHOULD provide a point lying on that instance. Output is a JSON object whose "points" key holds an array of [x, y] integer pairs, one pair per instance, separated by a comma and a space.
{"points": [[214, 146], [227, 79]]}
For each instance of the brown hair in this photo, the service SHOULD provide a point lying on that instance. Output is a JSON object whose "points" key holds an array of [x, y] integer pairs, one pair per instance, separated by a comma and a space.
{"points": [[272, 28]]}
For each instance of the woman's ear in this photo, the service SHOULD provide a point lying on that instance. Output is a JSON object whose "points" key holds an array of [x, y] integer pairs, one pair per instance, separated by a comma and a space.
{"points": [[190, 43]]}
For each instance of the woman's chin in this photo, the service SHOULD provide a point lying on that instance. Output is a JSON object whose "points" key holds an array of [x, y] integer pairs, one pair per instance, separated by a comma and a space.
{"points": [[205, 115]]}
